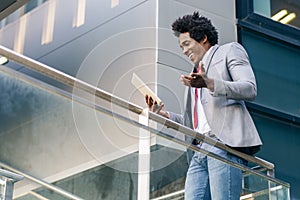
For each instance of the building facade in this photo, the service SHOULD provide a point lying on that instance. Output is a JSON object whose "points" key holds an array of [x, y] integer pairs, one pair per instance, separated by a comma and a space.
{"points": [[103, 43]]}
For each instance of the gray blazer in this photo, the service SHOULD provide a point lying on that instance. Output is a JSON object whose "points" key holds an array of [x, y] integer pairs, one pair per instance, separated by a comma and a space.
{"points": [[225, 108]]}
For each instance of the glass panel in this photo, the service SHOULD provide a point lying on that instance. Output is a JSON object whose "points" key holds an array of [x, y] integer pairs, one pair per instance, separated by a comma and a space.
{"points": [[283, 11], [257, 188], [91, 154], [85, 152], [275, 134], [169, 166], [107, 181]]}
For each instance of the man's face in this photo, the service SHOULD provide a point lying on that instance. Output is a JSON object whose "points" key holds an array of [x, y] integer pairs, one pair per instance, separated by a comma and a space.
{"points": [[191, 48]]}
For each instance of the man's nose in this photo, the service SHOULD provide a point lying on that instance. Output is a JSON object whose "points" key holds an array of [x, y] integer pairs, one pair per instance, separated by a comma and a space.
{"points": [[185, 50]]}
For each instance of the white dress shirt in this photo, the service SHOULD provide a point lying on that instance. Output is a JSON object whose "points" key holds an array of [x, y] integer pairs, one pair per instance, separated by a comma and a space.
{"points": [[203, 126]]}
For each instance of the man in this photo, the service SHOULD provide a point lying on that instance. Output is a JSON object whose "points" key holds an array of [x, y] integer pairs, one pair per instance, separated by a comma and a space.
{"points": [[221, 81]]}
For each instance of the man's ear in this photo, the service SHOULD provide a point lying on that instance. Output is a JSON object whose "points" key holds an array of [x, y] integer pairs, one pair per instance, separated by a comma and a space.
{"points": [[203, 40]]}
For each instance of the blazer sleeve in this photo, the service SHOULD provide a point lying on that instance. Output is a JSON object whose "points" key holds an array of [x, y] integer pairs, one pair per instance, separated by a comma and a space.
{"points": [[241, 84], [176, 117]]}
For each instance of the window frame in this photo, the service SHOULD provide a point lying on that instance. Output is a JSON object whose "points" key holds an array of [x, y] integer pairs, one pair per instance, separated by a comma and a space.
{"points": [[247, 18]]}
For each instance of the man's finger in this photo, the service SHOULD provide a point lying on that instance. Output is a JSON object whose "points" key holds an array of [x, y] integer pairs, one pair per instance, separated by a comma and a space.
{"points": [[159, 108]]}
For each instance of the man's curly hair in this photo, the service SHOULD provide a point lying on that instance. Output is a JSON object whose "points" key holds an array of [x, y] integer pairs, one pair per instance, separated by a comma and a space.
{"points": [[197, 26]]}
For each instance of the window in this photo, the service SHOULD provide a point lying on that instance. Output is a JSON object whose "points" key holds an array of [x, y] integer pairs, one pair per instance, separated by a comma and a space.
{"points": [[33, 4], [283, 11], [30, 5], [257, 15]]}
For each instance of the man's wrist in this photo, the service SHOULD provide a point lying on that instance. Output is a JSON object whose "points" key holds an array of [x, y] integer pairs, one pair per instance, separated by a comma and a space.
{"points": [[164, 114]]}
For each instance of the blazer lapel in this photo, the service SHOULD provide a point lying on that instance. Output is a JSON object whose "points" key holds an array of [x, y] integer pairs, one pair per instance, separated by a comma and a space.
{"points": [[210, 57]]}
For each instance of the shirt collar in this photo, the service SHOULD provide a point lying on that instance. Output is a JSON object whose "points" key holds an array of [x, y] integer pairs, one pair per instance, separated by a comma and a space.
{"points": [[204, 59]]}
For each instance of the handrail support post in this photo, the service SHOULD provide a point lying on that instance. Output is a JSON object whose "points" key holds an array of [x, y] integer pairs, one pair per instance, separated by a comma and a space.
{"points": [[144, 158], [7, 180]]}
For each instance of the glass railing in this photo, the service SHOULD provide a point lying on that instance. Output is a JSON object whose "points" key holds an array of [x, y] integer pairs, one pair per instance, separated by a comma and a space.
{"points": [[28, 182], [73, 145], [256, 187], [258, 182], [73, 168]]}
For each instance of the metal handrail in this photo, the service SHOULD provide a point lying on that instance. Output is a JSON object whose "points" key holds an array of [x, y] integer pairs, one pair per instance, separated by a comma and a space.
{"points": [[67, 79], [90, 104], [171, 124], [13, 176], [97, 107], [41, 182], [72, 81]]}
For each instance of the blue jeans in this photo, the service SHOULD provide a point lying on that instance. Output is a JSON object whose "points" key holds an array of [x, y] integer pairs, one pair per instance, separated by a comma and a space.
{"points": [[208, 178]]}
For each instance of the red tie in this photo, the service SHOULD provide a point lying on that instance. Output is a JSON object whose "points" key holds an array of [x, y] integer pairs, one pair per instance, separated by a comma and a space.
{"points": [[195, 106]]}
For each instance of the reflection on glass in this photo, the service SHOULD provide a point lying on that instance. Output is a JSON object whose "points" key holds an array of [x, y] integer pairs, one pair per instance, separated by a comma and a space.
{"points": [[20, 35], [255, 187], [169, 166], [283, 11], [279, 15], [48, 29], [101, 182], [3, 60], [114, 3], [286, 19], [79, 16]]}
